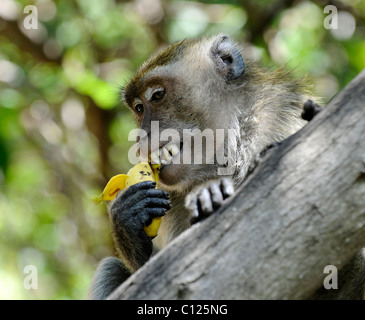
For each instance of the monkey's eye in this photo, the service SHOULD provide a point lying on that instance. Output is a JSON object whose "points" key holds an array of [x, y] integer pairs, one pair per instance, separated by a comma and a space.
{"points": [[139, 108], [157, 94], [138, 105]]}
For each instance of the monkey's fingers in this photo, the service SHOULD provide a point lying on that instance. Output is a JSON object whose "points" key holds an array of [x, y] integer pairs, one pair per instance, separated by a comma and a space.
{"points": [[157, 193], [145, 185], [227, 187], [156, 203], [212, 197], [216, 195], [202, 205], [193, 207], [150, 213], [205, 200]]}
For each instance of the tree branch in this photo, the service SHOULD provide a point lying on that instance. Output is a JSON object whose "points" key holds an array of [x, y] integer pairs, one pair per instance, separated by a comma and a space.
{"points": [[303, 208]]}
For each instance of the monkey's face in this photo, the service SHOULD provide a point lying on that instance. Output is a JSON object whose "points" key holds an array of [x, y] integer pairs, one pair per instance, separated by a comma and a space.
{"points": [[180, 100], [168, 119]]}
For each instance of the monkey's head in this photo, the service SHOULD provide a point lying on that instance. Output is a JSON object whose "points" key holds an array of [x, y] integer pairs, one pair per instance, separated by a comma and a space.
{"points": [[188, 88]]}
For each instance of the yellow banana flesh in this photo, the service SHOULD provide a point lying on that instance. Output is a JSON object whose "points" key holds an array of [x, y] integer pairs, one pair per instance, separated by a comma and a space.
{"points": [[142, 171]]}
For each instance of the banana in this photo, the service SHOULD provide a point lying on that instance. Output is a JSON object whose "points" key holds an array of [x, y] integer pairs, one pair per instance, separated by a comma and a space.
{"points": [[142, 171]]}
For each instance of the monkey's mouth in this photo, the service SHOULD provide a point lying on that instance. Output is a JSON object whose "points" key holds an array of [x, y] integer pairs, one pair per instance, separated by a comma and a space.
{"points": [[166, 155], [172, 170]]}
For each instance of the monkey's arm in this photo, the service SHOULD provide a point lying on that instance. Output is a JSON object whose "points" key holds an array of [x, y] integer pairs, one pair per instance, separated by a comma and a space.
{"points": [[205, 199], [129, 213]]}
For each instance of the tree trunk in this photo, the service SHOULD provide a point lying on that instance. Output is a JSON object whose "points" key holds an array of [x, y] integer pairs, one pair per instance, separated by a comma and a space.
{"points": [[303, 208]]}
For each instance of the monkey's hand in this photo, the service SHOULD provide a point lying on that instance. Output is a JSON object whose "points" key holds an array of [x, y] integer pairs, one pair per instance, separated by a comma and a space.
{"points": [[205, 199], [129, 213]]}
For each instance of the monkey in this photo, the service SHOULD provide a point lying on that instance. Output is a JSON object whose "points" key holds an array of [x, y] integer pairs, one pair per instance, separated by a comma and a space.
{"points": [[195, 84]]}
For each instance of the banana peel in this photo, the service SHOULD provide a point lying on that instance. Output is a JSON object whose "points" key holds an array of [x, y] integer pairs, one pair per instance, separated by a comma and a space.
{"points": [[142, 171]]}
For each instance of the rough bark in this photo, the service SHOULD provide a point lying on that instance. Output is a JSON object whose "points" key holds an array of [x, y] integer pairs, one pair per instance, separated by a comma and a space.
{"points": [[302, 208]]}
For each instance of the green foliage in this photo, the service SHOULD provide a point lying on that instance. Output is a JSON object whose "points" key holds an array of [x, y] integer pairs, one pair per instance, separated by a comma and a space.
{"points": [[64, 132]]}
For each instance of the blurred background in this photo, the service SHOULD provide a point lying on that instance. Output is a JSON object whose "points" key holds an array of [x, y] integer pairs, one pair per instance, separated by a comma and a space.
{"points": [[64, 133]]}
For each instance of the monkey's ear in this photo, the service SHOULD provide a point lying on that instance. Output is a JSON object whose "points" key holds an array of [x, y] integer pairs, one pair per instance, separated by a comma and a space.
{"points": [[227, 59]]}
